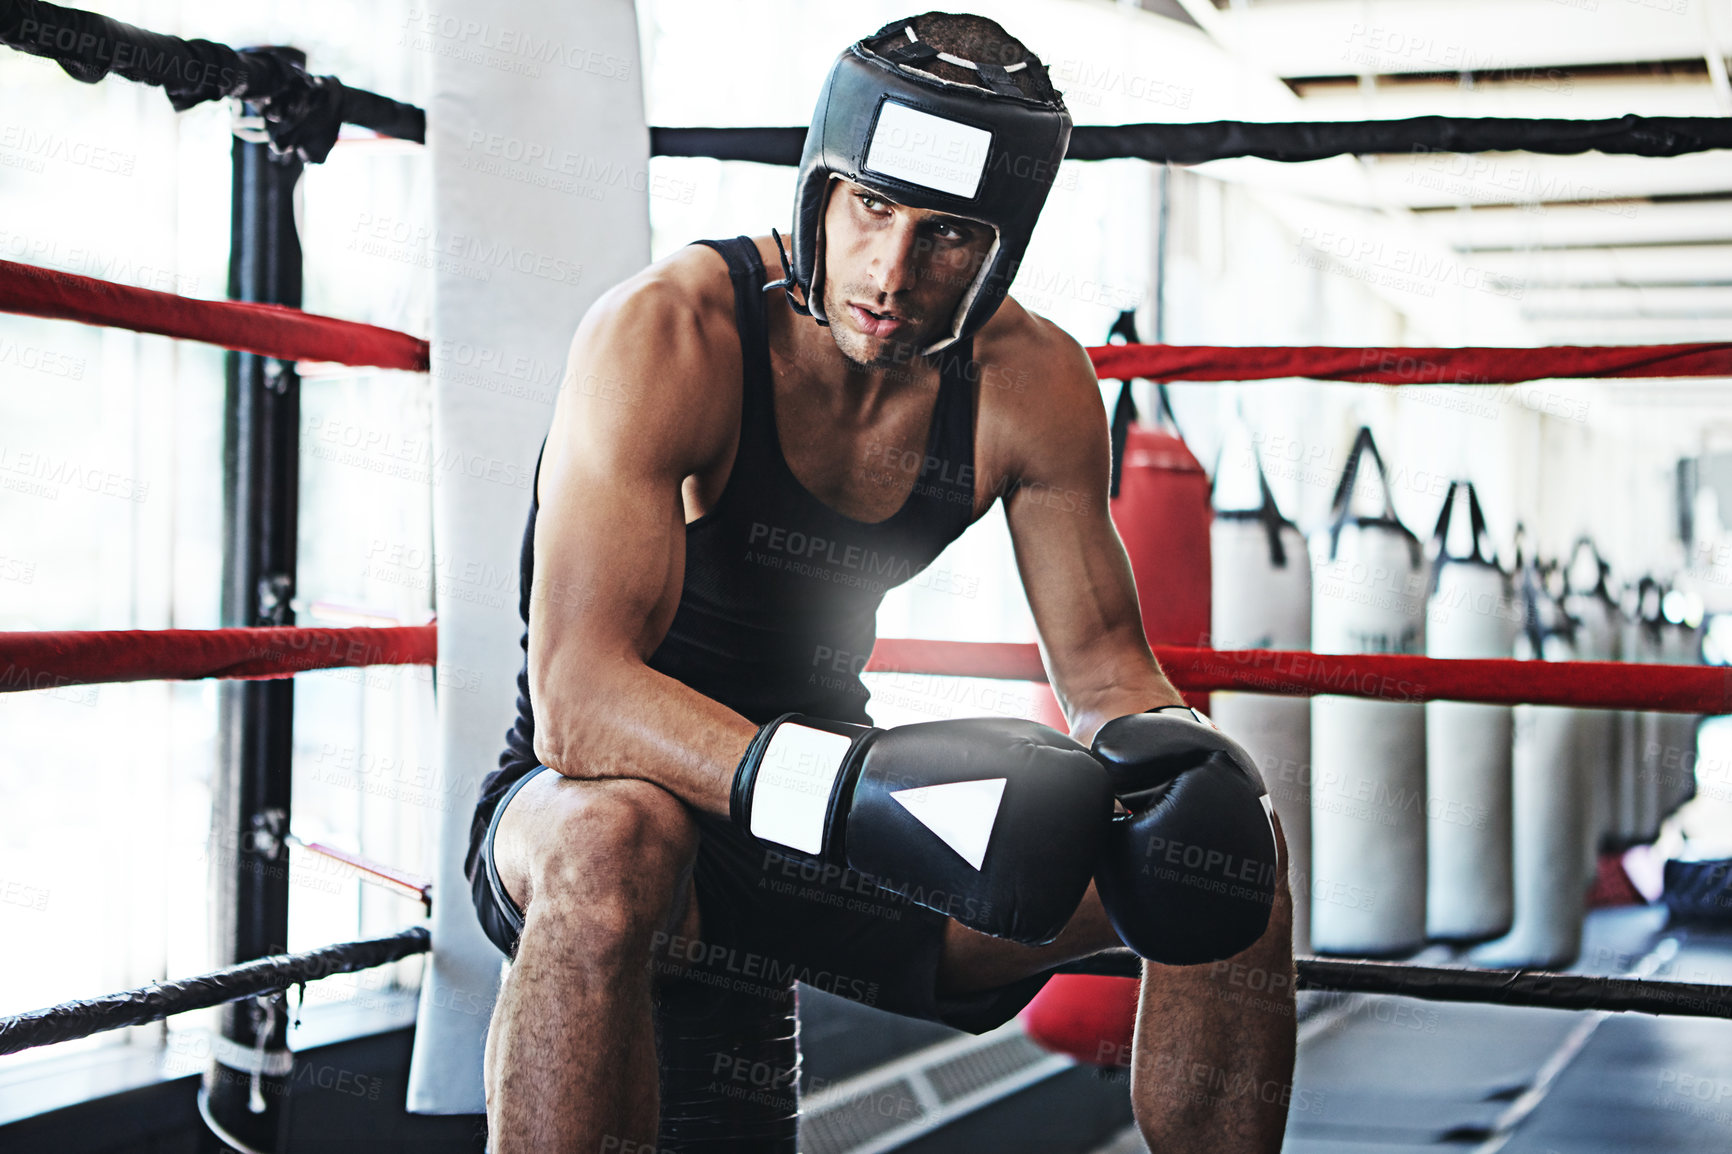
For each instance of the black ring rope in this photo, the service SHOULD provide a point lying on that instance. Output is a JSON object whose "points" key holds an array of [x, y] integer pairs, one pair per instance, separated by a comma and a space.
{"points": [[80, 1019], [302, 112], [1286, 140], [1502, 987]]}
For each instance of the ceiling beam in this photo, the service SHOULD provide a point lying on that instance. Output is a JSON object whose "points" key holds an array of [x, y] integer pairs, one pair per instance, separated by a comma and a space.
{"points": [[1634, 265], [1582, 226], [1358, 37], [1424, 179], [1617, 302]]}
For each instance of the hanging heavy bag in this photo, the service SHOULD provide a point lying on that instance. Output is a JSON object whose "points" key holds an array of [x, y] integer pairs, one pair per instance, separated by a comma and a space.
{"points": [[1649, 729], [1589, 603], [1629, 817], [1549, 801], [1261, 599], [1367, 756], [1676, 766], [1472, 613], [1160, 506]]}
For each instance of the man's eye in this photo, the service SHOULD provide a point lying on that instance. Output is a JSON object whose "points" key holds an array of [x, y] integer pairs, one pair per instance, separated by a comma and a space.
{"points": [[867, 199]]}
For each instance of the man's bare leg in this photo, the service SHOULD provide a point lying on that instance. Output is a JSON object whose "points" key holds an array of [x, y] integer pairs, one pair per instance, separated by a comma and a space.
{"points": [[1212, 1061], [597, 866]]}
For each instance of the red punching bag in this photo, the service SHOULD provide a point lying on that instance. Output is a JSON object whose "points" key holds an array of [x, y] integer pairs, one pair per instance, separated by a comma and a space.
{"points": [[1160, 505], [1161, 509]]}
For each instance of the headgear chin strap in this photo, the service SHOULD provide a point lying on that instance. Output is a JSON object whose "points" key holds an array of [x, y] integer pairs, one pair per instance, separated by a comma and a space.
{"points": [[984, 152]]}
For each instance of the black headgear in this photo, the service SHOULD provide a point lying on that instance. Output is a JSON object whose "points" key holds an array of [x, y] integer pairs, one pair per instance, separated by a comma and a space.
{"points": [[985, 152]]}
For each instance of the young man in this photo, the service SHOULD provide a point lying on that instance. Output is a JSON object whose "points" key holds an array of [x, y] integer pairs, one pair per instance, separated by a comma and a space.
{"points": [[735, 475]]}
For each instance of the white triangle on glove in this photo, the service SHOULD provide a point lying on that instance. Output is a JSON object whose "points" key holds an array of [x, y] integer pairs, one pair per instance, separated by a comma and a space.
{"points": [[961, 813]]}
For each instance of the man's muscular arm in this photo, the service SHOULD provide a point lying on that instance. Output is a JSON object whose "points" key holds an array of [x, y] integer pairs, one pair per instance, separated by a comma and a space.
{"points": [[1072, 563], [646, 402]]}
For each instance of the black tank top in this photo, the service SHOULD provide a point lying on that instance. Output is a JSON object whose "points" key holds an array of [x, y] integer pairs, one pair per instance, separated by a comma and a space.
{"points": [[779, 607]]}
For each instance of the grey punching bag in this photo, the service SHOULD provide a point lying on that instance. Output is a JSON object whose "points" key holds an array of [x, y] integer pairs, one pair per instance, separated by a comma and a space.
{"points": [[1367, 755], [1472, 613], [1261, 599]]}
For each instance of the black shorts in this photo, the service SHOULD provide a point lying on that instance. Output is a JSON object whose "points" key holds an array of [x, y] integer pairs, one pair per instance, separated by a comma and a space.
{"points": [[771, 918]]}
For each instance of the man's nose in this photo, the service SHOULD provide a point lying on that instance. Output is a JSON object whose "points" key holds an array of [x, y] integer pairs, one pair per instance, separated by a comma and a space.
{"points": [[896, 255]]}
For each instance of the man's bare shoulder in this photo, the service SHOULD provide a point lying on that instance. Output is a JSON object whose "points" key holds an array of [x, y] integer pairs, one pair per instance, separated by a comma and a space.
{"points": [[1032, 368], [687, 294], [653, 374]]}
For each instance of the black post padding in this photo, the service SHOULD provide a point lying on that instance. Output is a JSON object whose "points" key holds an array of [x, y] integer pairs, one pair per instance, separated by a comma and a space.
{"points": [[80, 1019], [730, 1066], [1500, 987], [251, 795]]}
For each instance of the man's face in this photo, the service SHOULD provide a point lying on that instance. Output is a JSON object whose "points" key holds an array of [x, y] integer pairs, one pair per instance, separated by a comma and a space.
{"points": [[893, 275]]}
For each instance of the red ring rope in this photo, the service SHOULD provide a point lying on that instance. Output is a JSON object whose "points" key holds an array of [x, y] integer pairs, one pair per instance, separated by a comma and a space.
{"points": [[1411, 366], [268, 330], [73, 657], [1394, 677], [50, 660]]}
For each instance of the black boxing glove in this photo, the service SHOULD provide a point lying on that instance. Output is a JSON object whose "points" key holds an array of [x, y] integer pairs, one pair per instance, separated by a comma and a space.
{"points": [[1190, 873], [996, 822]]}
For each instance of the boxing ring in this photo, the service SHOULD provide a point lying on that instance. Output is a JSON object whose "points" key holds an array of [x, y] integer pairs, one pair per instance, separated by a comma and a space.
{"points": [[304, 113]]}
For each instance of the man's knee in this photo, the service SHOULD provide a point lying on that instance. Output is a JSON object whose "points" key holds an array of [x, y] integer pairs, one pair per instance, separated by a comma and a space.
{"points": [[608, 862]]}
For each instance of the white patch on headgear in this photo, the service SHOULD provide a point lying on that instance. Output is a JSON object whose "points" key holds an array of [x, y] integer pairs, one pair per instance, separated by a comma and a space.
{"points": [[930, 151]]}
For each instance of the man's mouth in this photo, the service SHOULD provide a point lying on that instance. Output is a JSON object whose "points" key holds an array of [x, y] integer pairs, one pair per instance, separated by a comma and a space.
{"points": [[875, 324]]}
